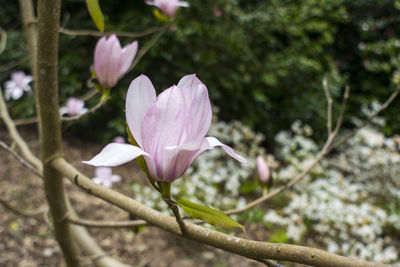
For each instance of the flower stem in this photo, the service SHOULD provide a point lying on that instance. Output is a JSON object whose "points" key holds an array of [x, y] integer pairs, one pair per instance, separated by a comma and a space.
{"points": [[166, 196]]}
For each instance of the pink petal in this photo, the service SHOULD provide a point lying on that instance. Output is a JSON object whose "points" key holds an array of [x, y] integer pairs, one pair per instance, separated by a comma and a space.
{"points": [[141, 94], [176, 160], [99, 58], [115, 154], [213, 142], [164, 123], [198, 103], [128, 54]]}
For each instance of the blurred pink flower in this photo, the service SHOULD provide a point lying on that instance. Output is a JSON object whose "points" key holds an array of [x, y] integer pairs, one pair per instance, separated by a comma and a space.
{"points": [[73, 107], [168, 7], [111, 61], [169, 129], [17, 85], [104, 177], [217, 12], [264, 172], [119, 139]]}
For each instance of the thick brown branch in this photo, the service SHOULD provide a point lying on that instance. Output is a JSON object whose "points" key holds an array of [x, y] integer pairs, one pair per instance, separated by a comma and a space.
{"points": [[247, 248]]}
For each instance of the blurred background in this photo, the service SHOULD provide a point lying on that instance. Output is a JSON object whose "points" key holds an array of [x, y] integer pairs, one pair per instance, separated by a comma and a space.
{"points": [[263, 63]]}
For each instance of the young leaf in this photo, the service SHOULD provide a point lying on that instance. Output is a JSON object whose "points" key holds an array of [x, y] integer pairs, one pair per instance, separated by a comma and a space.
{"points": [[96, 14], [207, 214]]}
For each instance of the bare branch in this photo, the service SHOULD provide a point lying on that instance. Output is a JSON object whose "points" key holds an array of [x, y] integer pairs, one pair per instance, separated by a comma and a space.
{"points": [[26, 152], [106, 224], [247, 248], [20, 159], [100, 34], [32, 214], [329, 105], [90, 111], [367, 121]]}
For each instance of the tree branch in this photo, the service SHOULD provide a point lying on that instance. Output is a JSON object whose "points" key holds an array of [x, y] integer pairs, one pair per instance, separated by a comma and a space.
{"points": [[20, 159], [32, 214], [247, 248], [100, 34], [106, 224]]}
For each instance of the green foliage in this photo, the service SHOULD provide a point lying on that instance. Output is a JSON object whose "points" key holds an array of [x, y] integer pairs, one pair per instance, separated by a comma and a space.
{"points": [[211, 216], [262, 61]]}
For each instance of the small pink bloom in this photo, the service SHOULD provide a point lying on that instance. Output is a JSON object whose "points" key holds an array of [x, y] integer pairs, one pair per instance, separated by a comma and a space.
{"points": [[217, 12], [168, 7], [104, 177], [111, 61], [73, 107], [264, 172], [170, 129], [17, 85], [119, 139]]}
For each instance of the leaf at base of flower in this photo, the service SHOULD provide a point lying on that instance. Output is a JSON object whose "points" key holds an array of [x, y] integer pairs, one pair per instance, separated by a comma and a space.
{"points": [[211, 216]]}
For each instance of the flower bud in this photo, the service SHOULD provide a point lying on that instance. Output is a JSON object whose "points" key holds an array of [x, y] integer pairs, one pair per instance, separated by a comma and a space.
{"points": [[111, 61], [264, 172]]}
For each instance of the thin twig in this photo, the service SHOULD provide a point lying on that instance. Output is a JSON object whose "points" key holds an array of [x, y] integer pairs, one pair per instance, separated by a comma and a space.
{"points": [[12, 64], [329, 105], [90, 111], [31, 214], [20, 159], [147, 47], [299, 177], [106, 224], [85, 97], [99, 34], [367, 121]]}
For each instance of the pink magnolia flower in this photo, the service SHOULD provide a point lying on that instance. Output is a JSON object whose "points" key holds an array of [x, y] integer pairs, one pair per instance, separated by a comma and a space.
{"points": [[73, 107], [168, 7], [170, 129], [119, 139], [105, 177], [111, 61], [17, 85], [264, 172]]}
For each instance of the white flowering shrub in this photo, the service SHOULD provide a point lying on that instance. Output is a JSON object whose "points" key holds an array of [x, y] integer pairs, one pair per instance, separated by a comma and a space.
{"points": [[349, 204]]}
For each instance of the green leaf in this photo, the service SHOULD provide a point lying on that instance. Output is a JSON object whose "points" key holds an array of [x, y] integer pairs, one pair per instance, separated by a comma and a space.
{"points": [[212, 216], [96, 14]]}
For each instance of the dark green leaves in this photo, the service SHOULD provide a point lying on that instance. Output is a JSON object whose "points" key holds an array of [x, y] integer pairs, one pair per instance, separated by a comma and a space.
{"points": [[96, 14], [209, 215]]}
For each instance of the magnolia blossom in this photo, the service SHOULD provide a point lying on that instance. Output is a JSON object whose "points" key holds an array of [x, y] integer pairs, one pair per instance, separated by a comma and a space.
{"points": [[169, 129], [119, 139], [73, 107], [264, 172], [17, 85], [111, 61], [105, 177], [168, 7]]}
